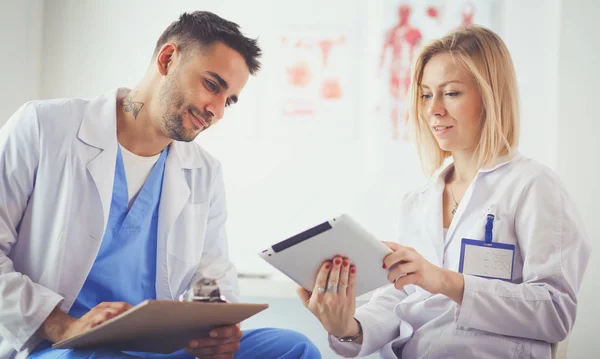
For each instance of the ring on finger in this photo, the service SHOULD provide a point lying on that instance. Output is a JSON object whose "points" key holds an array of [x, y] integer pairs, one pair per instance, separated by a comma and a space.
{"points": [[319, 289], [332, 287]]}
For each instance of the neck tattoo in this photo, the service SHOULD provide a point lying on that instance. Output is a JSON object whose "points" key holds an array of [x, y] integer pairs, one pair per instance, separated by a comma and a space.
{"points": [[130, 105]]}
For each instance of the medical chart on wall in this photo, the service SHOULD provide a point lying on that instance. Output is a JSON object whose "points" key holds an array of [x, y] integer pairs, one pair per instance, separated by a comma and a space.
{"points": [[313, 93]]}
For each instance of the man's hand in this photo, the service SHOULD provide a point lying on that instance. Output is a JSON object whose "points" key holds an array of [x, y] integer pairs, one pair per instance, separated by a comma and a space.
{"points": [[222, 343], [60, 326]]}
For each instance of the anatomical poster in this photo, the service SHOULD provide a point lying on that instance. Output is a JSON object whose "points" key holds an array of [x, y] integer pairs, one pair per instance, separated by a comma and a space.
{"points": [[316, 94]]}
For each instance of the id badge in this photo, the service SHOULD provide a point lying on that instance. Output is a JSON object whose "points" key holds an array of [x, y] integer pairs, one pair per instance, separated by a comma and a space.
{"points": [[488, 260]]}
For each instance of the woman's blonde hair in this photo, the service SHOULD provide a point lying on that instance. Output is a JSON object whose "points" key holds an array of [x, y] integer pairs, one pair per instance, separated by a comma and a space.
{"points": [[486, 57]]}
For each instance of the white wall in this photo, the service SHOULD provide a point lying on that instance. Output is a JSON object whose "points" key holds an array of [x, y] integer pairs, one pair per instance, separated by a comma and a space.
{"points": [[20, 63], [93, 46], [579, 151], [554, 48], [531, 32]]}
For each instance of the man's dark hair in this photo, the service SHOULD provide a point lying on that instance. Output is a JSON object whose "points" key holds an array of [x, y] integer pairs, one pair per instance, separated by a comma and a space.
{"points": [[200, 29]]}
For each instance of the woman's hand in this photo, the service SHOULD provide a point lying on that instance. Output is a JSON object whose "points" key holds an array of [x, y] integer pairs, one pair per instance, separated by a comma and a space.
{"points": [[332, 300], [407, 266]]}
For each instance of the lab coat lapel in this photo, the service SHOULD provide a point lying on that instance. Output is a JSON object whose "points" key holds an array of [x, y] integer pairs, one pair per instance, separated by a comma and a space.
{"points": [[427, 222], [99, 131], [175, 195], [434, 253]]}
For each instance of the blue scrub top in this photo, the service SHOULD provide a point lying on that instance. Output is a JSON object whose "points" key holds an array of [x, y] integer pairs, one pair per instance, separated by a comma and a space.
{"points": [[125, 268]]}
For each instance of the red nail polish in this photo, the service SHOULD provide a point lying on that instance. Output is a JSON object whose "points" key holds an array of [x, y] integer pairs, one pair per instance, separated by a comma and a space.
{"points": [[327, 266], [337, 261], [346, 263], [384, 266], [352, 270]]}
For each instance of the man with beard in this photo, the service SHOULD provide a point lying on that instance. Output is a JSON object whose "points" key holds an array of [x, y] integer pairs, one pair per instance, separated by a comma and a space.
{"points": [[107, 202]]}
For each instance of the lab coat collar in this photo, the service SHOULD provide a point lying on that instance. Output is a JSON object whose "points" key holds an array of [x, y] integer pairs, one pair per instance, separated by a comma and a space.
{"points": [[99, 124], [186, 155], [500, 161], [98, 130]]}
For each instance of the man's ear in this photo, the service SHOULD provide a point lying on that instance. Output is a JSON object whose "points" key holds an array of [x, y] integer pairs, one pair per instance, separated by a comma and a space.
{"points": [[165, 57]]}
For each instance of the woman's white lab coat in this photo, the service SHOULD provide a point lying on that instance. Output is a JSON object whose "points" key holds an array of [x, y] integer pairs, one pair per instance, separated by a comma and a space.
{"points": [[57, 165], [497, 319]]}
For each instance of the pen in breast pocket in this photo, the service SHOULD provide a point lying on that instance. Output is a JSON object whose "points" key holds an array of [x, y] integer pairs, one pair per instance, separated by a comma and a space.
{"points": [[489, 226]]}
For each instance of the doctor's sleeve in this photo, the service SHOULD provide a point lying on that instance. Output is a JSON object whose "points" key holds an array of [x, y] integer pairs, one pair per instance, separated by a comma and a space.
{"points": [[555, 250], [24, 305], [215, 260]]}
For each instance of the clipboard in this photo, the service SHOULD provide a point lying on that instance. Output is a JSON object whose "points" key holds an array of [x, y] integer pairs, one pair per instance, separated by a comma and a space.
{"points": [[300, 257], [160, 326]]}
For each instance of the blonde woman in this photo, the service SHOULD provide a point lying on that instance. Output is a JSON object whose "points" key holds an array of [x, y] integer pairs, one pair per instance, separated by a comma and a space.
{"points": [[492, 251]]}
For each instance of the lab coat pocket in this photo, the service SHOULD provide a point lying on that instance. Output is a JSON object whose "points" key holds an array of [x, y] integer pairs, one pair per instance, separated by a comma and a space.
{"points": [[187, 238], [465, 343]]}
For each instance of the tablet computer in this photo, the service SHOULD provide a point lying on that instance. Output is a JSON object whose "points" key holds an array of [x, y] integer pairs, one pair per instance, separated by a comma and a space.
{"points": [[301, 256]]}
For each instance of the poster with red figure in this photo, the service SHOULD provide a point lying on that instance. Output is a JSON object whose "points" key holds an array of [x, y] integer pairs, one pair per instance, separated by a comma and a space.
{"points": [[407, 26]]}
